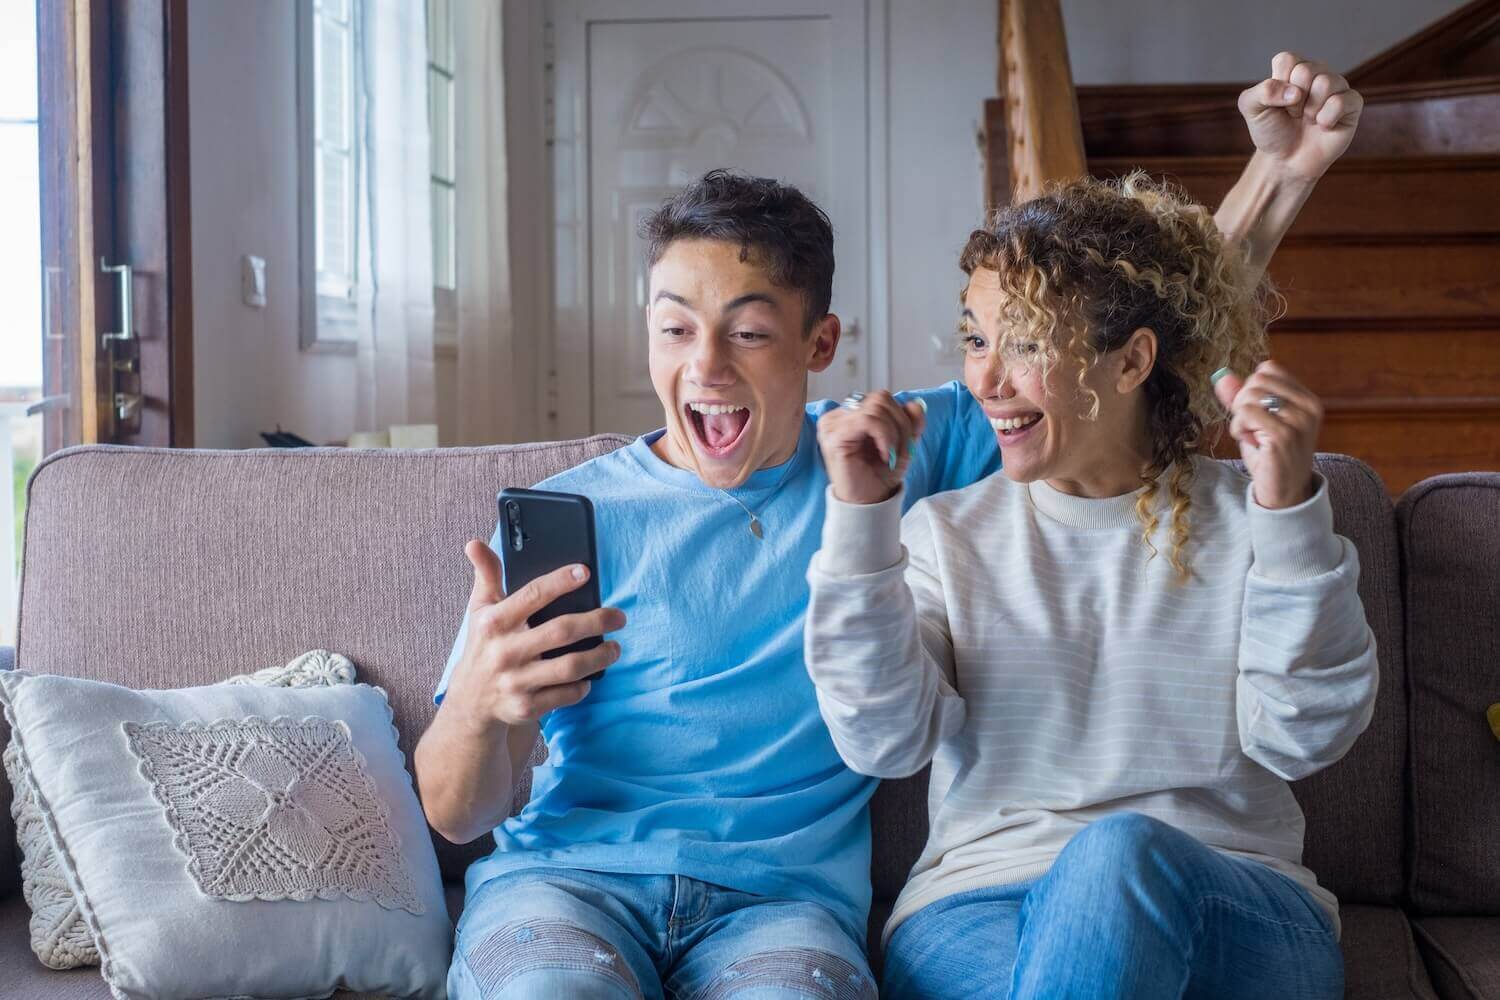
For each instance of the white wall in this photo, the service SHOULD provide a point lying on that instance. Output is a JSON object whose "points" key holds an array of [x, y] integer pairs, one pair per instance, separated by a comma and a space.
{"points": [[249, 373], [247, 369], [942, 66]]}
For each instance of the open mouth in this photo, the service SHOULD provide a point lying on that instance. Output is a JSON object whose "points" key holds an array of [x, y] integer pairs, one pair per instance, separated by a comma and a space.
{"points": [[719, 427], [1011, 430]]}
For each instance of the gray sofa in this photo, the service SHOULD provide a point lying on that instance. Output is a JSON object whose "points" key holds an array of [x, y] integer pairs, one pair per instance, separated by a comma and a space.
{"points": [[158, 568]]}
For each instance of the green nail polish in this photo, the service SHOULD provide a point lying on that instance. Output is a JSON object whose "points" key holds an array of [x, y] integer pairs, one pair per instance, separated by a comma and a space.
{"points": [[893, 459], [1214, 378]]}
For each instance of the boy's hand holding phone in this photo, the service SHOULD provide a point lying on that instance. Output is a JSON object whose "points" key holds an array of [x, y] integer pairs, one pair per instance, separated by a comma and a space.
{"points": [[502, 675]]}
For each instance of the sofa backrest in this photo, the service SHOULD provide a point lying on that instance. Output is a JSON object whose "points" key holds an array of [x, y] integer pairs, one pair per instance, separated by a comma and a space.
{"points": [[161, 568], [1450, 544], [1354, 809]]}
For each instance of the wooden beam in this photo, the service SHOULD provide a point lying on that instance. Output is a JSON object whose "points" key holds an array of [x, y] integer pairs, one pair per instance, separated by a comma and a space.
{"points": [[1043, 135]]}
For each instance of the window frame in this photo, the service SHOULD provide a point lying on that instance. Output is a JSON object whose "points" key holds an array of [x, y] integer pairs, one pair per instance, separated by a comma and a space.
{"points": [[328, 323], [444, 300]]}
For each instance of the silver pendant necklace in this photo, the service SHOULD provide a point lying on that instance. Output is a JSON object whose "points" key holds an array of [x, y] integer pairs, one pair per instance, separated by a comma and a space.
{"points": [[755, 526]]}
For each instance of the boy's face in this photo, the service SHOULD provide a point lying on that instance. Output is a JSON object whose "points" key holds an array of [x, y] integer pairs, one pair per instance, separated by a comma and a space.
{"points": [[730, 352]]}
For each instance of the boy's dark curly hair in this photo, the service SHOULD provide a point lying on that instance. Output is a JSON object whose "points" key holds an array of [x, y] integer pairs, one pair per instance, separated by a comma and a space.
{"points": [[789, 235]]}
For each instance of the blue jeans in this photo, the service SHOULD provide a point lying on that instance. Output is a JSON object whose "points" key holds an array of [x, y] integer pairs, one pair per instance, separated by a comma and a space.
{"points": [[551, 933], [1132, 907]]}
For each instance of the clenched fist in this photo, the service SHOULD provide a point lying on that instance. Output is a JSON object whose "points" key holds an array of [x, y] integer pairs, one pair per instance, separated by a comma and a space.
{"points": [[1303, 116], [1276, 420], [866, 447]]}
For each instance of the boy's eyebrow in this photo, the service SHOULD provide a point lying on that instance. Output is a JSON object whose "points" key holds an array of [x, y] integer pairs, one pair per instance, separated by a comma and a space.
{"points": [[746, 299], [729, 307]]}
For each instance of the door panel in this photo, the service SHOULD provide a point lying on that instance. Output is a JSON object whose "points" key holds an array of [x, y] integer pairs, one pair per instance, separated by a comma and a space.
{"points": [[669, 100]]}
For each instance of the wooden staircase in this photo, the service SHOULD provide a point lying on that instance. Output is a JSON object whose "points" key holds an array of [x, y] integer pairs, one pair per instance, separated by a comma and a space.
{"points": [[1392, 271]]}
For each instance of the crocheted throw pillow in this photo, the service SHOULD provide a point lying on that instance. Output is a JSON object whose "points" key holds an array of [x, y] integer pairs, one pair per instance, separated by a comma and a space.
{"points": [[185, 820], [59, 936]]}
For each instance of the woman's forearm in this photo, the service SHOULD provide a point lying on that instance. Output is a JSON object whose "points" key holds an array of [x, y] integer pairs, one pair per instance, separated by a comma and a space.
{"points": [[876, 660], [1308, 671], [1260, 208]]}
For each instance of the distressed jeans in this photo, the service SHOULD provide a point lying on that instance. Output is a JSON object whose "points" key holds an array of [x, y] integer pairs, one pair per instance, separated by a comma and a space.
{"points": [[549, 933], [1132, 907]]}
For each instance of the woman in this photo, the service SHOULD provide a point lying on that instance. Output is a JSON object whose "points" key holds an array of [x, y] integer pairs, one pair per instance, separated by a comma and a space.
{"points": [[1117, 652]]}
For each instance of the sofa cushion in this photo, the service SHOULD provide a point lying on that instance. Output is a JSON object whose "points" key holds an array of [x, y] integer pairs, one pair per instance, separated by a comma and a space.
{"points": [[898, 819], [1450, 538], [24, 976], [1381, 961], [186, 818], [259, 555], [1463, 955], [60, 937]]}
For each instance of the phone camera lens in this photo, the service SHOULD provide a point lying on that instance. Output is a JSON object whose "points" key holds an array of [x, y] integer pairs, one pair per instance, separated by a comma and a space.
{"points": [[513, 516]]}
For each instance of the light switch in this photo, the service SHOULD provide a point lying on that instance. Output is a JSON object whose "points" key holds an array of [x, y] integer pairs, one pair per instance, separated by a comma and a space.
{"points": [[253, 281]]}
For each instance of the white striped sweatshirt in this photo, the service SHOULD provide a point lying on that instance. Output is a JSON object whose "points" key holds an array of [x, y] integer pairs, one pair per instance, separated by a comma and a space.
{"points": [[1025, 644]]}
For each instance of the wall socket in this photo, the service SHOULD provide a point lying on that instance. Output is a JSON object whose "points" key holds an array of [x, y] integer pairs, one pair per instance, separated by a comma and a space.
{"points": [[253, 281]]}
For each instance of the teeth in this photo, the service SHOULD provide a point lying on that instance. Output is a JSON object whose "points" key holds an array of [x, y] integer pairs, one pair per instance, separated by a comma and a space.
{"points": [[1013, 423], [714, 409]]}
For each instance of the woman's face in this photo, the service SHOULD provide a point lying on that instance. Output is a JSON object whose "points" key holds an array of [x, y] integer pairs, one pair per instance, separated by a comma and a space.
{"points": [[1040, 415]]}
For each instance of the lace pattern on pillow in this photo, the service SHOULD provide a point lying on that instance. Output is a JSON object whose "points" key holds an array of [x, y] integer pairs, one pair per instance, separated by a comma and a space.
{"points": [[59, 935], [278, 809]]}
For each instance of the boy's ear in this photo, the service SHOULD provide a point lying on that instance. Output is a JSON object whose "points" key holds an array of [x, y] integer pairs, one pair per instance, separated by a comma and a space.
{"points": [[823, 342]]}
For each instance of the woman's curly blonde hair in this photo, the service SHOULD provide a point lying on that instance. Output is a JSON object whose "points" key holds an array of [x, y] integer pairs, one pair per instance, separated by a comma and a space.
{"points": [[1090, 262]]}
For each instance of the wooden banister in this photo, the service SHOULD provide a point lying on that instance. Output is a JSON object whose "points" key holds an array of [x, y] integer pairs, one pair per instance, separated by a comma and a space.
{"points": [[1043, 139]]}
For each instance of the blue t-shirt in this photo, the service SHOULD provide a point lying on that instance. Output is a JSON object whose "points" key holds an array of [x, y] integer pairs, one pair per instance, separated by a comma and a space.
{"points": [[701, 751]]}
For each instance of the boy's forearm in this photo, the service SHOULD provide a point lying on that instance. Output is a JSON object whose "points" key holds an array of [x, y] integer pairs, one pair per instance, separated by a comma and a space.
{"points": [[466, 772]]}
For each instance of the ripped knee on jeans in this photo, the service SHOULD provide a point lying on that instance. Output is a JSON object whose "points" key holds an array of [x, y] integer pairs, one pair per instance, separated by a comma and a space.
{"points": [[532, 945], [809, 971]]}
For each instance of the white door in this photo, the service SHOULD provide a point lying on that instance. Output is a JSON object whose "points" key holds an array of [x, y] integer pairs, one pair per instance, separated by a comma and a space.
{"points": [[675, 89]]}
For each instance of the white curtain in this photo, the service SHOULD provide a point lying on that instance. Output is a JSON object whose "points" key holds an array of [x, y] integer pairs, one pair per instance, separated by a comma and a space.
{"points": [[496, 373], [395, 360]]}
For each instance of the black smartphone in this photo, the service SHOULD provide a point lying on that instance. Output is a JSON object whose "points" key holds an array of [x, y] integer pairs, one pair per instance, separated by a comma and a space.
{"points": [[543, 531]]}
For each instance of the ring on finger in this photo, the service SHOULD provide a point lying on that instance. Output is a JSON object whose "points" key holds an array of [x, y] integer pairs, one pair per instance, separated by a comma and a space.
{"points": [[852, 401], [1272, 404]]}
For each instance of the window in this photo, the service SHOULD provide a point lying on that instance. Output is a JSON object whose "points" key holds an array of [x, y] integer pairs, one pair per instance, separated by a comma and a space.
{"points": [[329, 102], [443, 154], [333, 148], [332, 111]]}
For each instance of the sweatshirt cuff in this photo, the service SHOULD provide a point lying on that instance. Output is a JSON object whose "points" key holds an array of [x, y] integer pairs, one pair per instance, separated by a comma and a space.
{"points": [[860, 538], [1296, 543]]}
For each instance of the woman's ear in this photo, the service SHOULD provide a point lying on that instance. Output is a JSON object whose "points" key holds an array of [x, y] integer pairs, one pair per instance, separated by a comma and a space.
{"points": [[1137, 359]]}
